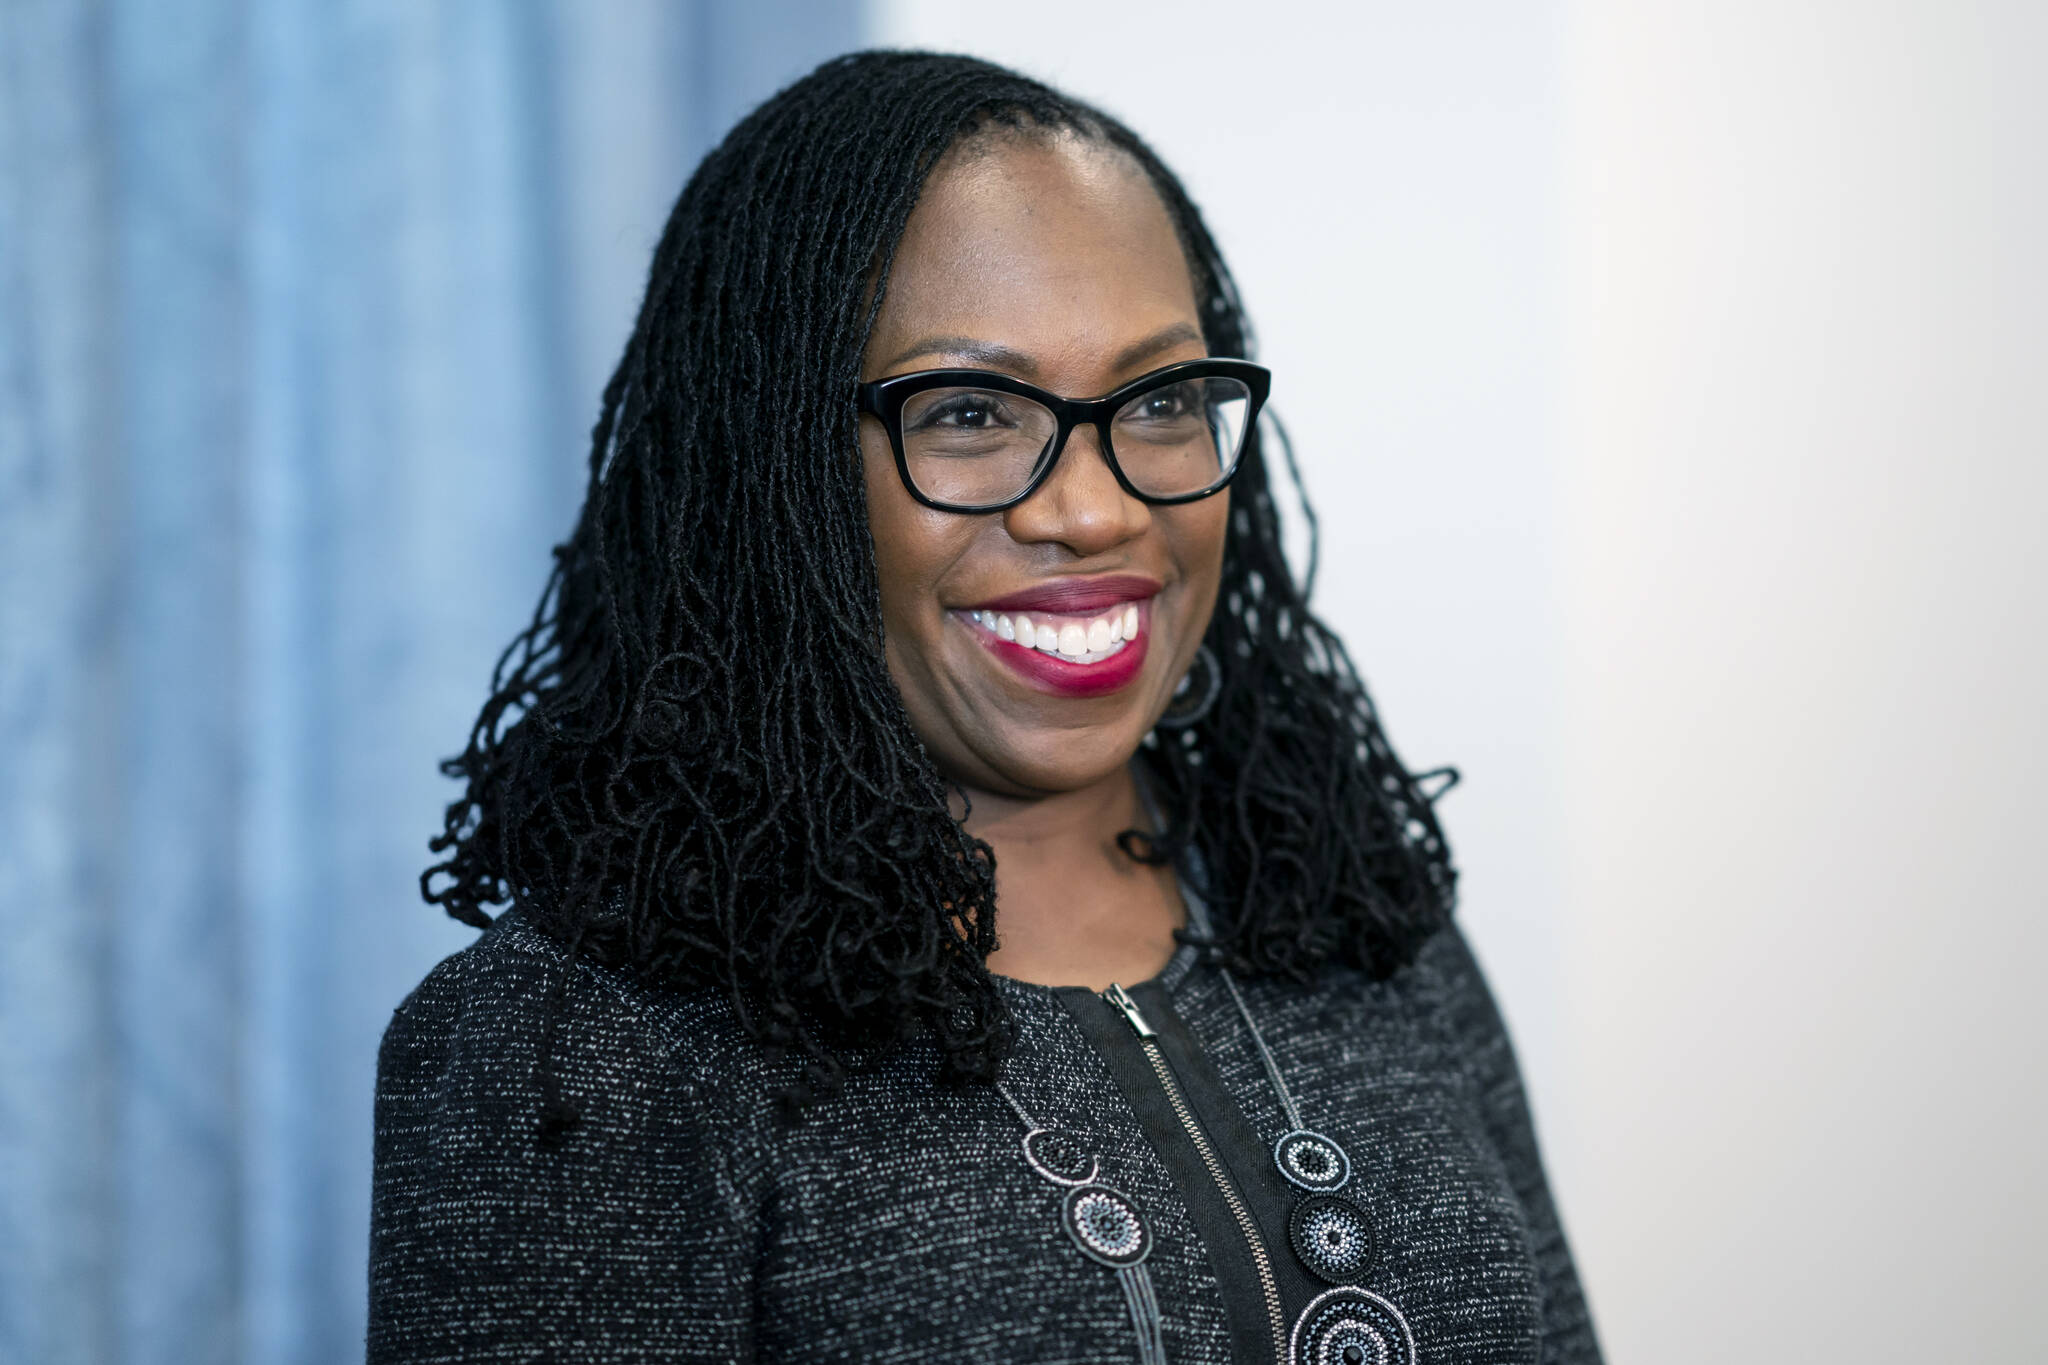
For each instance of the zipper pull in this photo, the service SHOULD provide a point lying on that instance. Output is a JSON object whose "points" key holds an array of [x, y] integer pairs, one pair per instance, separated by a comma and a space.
{"points": [[1120, 1000]]}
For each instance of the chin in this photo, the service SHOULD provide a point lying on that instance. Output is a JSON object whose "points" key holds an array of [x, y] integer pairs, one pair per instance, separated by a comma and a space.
{"points": [[1089, 756]]}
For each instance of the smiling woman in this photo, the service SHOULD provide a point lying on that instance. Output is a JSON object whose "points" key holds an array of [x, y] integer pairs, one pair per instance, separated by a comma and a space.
{"points": [[1052, 258], [963, 903]]}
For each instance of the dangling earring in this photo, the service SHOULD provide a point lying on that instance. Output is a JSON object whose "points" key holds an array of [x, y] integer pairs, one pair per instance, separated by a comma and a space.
{"points": [[1196, 693]]}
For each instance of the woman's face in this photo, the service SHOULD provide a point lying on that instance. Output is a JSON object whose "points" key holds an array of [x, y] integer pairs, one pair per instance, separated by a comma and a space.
{"points": [[1052, 260]]}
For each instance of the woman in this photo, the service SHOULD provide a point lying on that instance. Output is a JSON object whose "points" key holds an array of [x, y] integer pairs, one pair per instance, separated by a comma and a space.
{"points": [[964, 907]]}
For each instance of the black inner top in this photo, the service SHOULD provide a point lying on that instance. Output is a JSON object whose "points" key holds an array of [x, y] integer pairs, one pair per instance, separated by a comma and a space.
{"points": [[1247, 1155]]}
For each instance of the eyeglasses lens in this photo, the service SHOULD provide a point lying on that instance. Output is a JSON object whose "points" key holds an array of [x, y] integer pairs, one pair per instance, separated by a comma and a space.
{"points": [[976, 448], [1181, 438]]}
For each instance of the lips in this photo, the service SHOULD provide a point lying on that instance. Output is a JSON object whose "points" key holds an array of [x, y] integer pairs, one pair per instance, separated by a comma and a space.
{"points": [[1075, 596], [1086, 637], [1063, 677]]}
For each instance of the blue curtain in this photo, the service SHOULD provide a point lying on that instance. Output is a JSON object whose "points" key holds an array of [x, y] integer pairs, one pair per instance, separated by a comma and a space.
{"points": [[305, 306]]}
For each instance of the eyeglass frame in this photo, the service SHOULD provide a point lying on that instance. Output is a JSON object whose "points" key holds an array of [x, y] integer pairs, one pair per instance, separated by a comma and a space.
{"points": [[884, 399]]}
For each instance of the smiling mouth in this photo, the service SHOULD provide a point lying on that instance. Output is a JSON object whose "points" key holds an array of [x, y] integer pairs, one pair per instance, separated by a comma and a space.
{"points": [[1074, 639], [1090, 653]]}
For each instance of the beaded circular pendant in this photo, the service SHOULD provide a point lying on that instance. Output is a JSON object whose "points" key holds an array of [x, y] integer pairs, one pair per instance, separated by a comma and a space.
{"points": [[1059, 1158], [1313, 1162], [1106, 1225], [1333, 1238], [1351, 1327]]}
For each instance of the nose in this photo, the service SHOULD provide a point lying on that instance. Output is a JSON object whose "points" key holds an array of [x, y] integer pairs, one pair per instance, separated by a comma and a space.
{"points": [[1080, 505]]}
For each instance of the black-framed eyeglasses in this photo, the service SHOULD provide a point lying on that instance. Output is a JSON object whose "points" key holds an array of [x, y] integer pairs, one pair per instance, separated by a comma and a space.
{"points": [[977, 441]]}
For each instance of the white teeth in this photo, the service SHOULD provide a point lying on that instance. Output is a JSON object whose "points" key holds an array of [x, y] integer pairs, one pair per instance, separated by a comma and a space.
{"points": [[1081, 641]]}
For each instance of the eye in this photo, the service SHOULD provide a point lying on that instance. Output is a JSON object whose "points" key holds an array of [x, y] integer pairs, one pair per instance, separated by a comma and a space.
{"points": [[965, 411], [1169, 404]]}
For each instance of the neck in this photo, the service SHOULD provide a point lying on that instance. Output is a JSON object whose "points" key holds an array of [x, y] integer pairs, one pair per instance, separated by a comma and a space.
{"points": [[1072, 908]]}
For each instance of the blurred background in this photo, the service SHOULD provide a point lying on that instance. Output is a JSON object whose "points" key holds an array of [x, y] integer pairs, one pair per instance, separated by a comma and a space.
{"points": [[1671, 381]]}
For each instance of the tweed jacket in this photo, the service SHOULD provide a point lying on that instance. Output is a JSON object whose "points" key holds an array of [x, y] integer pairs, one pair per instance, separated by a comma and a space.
{"points": [[683, 1220]]}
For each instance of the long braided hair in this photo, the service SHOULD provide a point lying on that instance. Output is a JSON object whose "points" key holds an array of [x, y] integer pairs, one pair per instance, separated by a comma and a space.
{"points": [[694, 761]]}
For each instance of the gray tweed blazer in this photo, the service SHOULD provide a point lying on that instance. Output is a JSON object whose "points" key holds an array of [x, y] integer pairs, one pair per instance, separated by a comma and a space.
{"points": [[682, 1220]]}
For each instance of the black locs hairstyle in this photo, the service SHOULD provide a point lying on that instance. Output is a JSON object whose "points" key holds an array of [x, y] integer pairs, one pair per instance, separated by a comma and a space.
{"points": [[694, 759]]}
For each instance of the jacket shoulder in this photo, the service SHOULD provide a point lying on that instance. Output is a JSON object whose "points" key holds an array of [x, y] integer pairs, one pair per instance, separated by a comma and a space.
{"points": [[485, 1009], [492, 1236]]}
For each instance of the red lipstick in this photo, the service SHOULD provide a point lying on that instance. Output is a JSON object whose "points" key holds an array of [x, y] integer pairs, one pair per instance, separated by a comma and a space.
{"points": [[1051, 673], [1072, 596], [1059, 604]]}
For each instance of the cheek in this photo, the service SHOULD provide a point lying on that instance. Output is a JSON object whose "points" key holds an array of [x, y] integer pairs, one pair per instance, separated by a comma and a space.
{"points": [[1199, 534], [913, 548]]}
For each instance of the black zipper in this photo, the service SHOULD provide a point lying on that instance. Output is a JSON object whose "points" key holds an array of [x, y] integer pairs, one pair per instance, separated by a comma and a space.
{"points": [[1119, 1000]]}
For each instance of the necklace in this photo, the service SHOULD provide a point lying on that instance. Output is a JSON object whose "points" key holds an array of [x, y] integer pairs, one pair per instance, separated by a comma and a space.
{"points": [[1331, 1236], [1103, 1222], [1347, 1324]]}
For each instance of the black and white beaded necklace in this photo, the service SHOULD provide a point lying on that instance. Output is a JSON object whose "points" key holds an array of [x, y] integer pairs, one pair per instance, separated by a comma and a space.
{"points": [[1102, 1221], [1332, 1237], [1331, 1234]]}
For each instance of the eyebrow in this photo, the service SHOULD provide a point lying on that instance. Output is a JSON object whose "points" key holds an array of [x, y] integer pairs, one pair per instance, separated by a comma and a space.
{"points": [[996, 356]]}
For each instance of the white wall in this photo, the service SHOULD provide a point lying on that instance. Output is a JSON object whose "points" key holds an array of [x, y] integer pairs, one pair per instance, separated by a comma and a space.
{"points": [[1805, 588], [1673, 382]]}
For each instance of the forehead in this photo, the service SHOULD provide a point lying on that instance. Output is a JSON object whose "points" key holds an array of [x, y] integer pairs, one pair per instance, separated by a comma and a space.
{"points": [[1055, 247]]}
